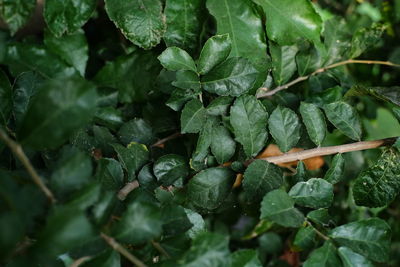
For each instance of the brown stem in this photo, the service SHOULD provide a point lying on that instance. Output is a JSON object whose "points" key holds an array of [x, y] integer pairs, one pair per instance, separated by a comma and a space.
{"points": [[318, 232], [330, 150], [162, 141], [129, 187], [19, 153], [79, 261], [157, 246], [123, 251], [266, 92]]}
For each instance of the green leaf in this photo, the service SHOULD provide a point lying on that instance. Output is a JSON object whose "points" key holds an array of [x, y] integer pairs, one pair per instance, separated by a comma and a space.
{"points": [[110, 174], [108, 258], [193, 117], [245, 258], [325, 256], [71, 101], [183, 23], [198, 223], [136, 130], [220, 106], [284, 126], [378, 185], [388, 94], [278, 207], [260, 178], [305, 238], [170, 168], [109, 117], [290, 20], [132, 157], [222, 144], [366, 38], [336, 170], [16, 13], [249, 121], [283, 62], [314, 121], [179, 98], [321, 217], [370, 237], [175, 220], [199, 158], [141, 222], [6, 96], [71, 48], [215, 51], [233, 77], [301, 172], [308, 61], [315, 193], [396, 111], [344, 117], [210, 187], [352, 259], [270, 243], [67, 16], [336, 39], [174, 58], [141, 21], [186, 79]]}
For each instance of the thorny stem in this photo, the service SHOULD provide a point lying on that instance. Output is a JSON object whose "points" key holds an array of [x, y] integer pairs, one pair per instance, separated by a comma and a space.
{"points": [[265, 92], [19, 153], [123, 251]]}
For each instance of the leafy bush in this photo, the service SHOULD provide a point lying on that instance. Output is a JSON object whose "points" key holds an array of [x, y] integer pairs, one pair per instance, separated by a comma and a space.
{"points": [[200, 133]]}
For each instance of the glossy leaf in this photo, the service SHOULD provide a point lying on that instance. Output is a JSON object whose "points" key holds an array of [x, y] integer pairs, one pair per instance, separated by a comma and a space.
{"points": [[198, 223], [301, 172], [325, 256], [132, 157], [321, 217], [249, 121], [192, 117], [344, 117], [233, 77], [352, 259], [245, 258], [136, 130], [199, 158], [174, 58], [305, 238], [186, 79], [142, 22], [67, 16], [210, 187], [336, 39], [284, 126], [16, 13], [308, 61], [388, 94], [370, 238], [215, 51], [278, 207], [260, 178], [175, 220], [222, 144], [314, 121], [283, 62], [109, 173], [219, 106], [170, 168], [336, 170], [315, 193]]}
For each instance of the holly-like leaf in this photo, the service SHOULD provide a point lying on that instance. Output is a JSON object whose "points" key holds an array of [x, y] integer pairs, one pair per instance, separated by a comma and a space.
{"points": [[193, 117], [67, 16], [141, 21], [315, 193], [370, 238], [325, 256], [344, 117], [109, 173], [284, 126], [260, 178], [170, 168], [214, 52], [248, 118], [352, 259], [378, 185], [278, 207], [174, 58], [222, 144], [16, 13], [283, 63], [336, 170], [210, 187], [314, 121], [233, 77]]}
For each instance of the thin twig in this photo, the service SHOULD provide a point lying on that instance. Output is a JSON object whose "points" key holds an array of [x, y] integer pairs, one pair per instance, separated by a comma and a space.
{"points": [[157, 246], [330, 150], [19, 153], [123, 251], [81, 260], [129, 187], [318, 232], [266, 92], [162, 141]]}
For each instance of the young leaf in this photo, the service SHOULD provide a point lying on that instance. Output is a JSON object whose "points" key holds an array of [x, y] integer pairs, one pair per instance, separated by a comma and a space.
{"points": [[260, 178], [142, 22], [370, 237], [352, 259], [283, 63], [71, 101], [109, 173], [67, 16], [214, 52], [174, 58], [132, 157], [170, 168], [245, 257], [193, 117], [324, 256], [378, 185], [305, 238], [210, 187], [345, 118], [315, 193], [335, 172], [278, 207], [16, 13], [314, 121], [249, 121], [284, 126], [222, 144], [233, 77]]}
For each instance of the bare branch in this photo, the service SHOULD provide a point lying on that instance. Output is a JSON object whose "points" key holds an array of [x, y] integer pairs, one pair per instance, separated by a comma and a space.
{"points": [[19, 153], [129, 187], [157, 246], [162, 141], [265, 92], [80, 261]]}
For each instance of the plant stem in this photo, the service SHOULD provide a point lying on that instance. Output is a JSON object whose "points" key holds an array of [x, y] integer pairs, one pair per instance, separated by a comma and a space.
{"points": [[123, 251], [318, 232], [19, 153], [162, 141], [266, 92], [330, 150], [157, 246], [129, 187], [80, 261]]}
